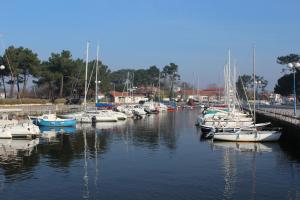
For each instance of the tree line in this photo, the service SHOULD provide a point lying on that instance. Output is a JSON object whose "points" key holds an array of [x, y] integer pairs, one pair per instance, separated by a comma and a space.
{"points": [[284, 84], [245, 86], [63, 76]]}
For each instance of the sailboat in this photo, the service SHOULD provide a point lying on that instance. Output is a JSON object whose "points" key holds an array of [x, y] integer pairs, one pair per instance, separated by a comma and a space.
{"points": [[249, 134], [89, 116], [230, 116]]}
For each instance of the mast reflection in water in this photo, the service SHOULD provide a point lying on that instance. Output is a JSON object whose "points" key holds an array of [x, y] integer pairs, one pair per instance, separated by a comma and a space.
{"points": [[159, 157]]}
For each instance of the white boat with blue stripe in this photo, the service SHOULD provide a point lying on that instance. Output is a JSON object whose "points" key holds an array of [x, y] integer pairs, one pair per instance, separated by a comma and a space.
{"points": [[54, 121]]}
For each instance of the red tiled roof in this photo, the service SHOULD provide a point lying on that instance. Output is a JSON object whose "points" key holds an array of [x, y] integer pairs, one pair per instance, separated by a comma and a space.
{"points": [[206, 92], [123, 94], [214, 89]]}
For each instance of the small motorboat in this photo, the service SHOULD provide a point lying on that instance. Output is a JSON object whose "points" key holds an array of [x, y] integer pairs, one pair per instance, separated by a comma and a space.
{"points": [[53, 120]]}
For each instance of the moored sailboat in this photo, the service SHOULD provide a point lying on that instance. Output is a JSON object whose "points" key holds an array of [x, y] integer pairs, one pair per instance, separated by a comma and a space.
{"points": [[249, 134]]}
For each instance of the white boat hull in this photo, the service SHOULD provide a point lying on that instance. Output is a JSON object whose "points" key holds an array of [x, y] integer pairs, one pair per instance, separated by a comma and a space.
{"points": [[248, 136]]}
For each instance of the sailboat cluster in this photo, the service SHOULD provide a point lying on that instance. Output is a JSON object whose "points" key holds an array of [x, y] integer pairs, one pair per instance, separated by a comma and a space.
{"points": [[229, 122]]}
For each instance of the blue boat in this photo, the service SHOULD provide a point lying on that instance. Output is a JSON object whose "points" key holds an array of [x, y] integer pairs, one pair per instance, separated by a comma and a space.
{"points": [[53, 121]]}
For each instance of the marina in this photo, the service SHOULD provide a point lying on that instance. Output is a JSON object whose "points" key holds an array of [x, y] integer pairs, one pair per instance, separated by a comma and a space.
{"points": [[149, 100], [147, 159]]}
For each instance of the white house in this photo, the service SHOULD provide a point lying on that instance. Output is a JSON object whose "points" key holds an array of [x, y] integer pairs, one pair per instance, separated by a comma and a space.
{"points": [[124, 97]]}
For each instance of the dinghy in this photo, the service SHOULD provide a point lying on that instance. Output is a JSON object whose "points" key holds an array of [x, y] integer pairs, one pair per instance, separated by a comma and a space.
{"points": [[53, 120]]}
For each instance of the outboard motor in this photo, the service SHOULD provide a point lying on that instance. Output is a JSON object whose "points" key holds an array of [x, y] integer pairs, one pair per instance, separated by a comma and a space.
{"points": [[94, 121], [136, 115]]}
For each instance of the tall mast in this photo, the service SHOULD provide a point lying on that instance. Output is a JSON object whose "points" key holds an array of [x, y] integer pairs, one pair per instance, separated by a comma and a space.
{"points": [[96, 89], [254, 86], [234, 85], [228, 79], [159, 86], [86, 71]]}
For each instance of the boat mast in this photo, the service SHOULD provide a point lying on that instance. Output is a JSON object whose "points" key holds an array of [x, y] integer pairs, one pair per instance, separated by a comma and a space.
{"points": [[159, 86], [234, 85], [86, 69], [228, 80], [254, 85], [96, 85]]}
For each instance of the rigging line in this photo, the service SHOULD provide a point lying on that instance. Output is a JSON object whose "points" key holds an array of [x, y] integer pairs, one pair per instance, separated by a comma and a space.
{"points": [[76, 79], [238, 97], [10, 68], [90, 77], [246, 96]]}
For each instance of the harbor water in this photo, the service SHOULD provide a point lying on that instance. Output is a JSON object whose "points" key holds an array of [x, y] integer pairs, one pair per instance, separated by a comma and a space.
{"points": [[159, 157]]}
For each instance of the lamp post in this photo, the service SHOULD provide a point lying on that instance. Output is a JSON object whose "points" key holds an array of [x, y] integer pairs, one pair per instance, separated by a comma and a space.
{"points": [[293, 67], [2, 67]]}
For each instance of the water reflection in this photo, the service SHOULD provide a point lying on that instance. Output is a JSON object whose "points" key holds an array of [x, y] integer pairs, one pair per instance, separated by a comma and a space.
{"points": [[85, 177], [232, 151], [17, 158], [245, 146], [158, 157], [12, 151], [58, 129]]}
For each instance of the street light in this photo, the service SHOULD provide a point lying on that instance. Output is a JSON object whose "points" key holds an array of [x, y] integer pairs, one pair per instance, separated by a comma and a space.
{"points": [[293, 67], [2, 67]]}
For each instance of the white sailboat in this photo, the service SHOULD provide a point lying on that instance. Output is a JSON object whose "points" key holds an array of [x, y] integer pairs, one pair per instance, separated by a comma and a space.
{"points": [[249, 134], [229, 117], [89, 116]]}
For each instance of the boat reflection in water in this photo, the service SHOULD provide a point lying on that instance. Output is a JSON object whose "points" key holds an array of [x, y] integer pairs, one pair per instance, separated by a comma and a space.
{"points": [[103, 126], [244, 146], [232, 167], [67, 130], [13, 151]]}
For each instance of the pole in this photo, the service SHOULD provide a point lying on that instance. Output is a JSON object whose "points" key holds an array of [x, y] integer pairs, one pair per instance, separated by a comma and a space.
{"points": [[86, 69], [294, 70], [96, 89], [159, 86], [254, 86], [258, 86]]}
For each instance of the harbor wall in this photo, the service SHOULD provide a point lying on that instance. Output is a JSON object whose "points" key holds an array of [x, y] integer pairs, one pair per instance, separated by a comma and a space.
{"points": [[38, 109], [290, 131]]}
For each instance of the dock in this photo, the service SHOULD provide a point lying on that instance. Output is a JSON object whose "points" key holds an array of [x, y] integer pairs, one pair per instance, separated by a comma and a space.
{"points": [[280, 117]]}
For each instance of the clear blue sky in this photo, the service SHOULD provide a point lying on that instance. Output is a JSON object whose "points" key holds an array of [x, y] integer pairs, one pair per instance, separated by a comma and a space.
{"points": [[195, 34]]}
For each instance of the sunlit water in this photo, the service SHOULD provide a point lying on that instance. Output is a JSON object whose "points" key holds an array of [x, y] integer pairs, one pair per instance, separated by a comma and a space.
{"points": [[159, 157]]}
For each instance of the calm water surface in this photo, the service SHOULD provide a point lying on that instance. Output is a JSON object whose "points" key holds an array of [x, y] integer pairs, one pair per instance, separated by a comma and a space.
{"points": [[159, 157]]}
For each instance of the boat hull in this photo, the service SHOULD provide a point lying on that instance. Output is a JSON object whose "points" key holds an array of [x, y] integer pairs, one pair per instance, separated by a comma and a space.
{"points": [[260, 136], [60, 123]]}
